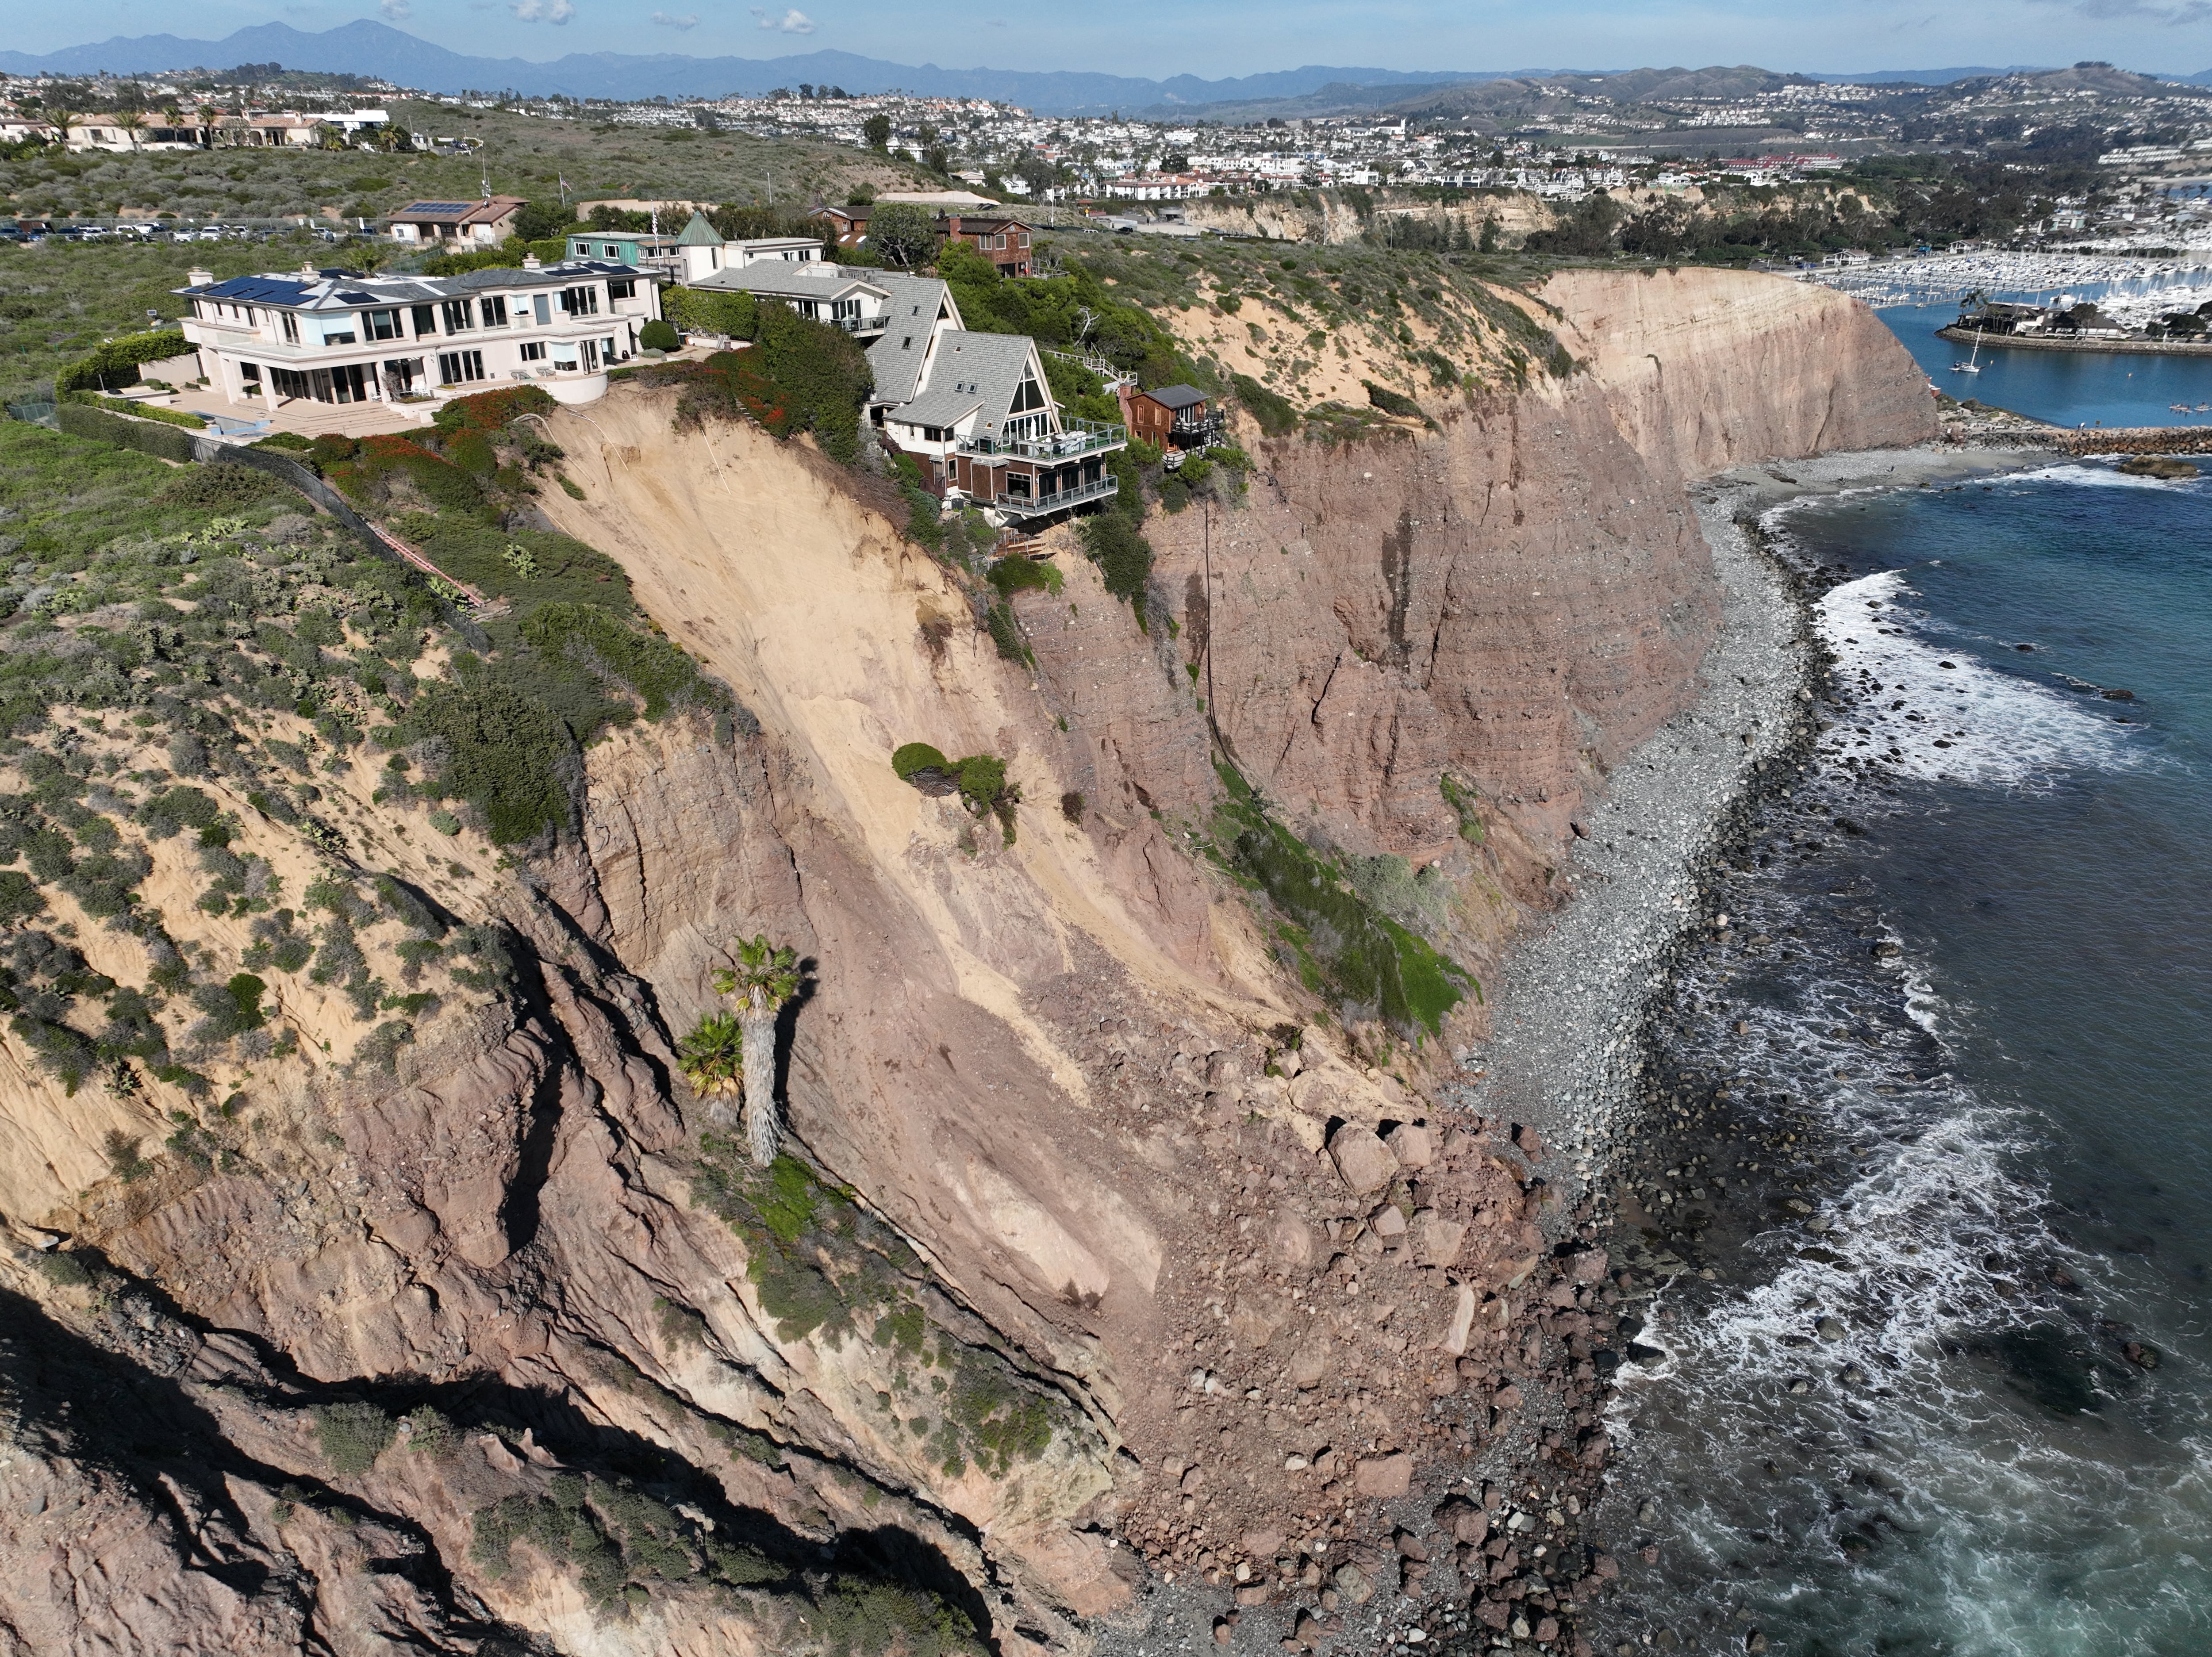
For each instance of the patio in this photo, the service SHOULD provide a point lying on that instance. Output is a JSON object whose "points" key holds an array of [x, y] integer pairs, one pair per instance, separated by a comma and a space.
{"points": [[301, 415]]}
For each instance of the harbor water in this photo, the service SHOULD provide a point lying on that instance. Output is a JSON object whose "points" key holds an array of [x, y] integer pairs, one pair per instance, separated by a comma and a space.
{"points": [[2067, 388], [1947, 1389]]}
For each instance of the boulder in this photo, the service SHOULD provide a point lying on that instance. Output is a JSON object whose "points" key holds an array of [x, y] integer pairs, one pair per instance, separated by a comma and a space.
{"points": [[1409, 1142], [1388, 1220], [1383, 1476], [1454, 1337], [1587, 1266], [1308, 1364], [1362, 1162], [1261, 1542], [1351, 1583], [1291, 1242], [1530, 1146], [1435, 1241]]}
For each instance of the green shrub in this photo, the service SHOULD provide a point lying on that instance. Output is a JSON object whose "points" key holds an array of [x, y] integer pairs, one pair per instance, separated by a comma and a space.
{"points": [[914, 756], [115, 362], [353, 1435], [1006, 633], [657, 335], [507, 725], [65, 1270], [430, 1434], [1341, 945], [1023, 574], [123, 405], [1277, 416], [1392, 403], [706, 311], [1123, 556], [221, 488], [164, 442], [658, 672]]}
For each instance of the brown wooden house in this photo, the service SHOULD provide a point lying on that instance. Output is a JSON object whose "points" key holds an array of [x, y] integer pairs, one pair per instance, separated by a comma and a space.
{"points": [[1004, 241], [1171, 416]]}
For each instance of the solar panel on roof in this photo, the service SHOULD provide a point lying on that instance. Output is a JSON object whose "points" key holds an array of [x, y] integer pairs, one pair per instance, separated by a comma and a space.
{"points": [[353, 297], [441, 207]]}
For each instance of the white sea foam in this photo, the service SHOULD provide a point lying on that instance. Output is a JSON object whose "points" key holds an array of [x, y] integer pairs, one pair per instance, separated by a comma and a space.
{"points": [[2081, 476], [1950, 718]]}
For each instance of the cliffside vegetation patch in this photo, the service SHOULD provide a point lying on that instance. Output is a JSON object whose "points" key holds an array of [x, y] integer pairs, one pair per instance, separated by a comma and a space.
{"points": [[799, 376], [980, 781], [1330, 924], [825, 1268], [560, 654]]}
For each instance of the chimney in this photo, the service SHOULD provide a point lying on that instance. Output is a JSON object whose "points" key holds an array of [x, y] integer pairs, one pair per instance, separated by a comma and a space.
{"points": [[530, 262], [197, 277], [308, 273]]}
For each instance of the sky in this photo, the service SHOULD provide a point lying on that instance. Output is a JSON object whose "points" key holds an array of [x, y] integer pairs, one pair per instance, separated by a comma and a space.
{"points": [[1218, 37]]}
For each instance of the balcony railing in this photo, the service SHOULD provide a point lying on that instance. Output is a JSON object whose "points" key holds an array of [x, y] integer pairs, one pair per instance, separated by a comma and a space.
{"points": [[1199, 433], [1022, 505], [1080, 438]]}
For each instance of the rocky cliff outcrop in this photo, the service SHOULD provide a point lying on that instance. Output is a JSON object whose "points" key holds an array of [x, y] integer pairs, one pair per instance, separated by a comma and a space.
{"points": [[1112, 1233]]}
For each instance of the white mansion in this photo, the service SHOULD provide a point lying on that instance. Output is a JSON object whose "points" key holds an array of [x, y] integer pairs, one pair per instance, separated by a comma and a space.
{"points": [[333, 336]]}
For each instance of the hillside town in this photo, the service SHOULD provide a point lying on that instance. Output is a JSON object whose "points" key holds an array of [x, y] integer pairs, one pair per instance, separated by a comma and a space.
{"points": [[2143, 145]]}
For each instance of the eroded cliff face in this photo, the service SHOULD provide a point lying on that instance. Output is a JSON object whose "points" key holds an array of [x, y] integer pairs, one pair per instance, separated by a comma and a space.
{"points": [[1084, 1151]]}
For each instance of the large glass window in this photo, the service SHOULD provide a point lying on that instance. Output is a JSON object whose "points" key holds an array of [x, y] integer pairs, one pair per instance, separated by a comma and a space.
{"points": [[380, 325], [459, 367], [456, 315], [581, 301], [494, 307], [542, 308], [426, 321]]}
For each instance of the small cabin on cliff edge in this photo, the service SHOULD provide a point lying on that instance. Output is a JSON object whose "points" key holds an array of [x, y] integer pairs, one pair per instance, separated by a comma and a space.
{"points": [[1171, 416]]}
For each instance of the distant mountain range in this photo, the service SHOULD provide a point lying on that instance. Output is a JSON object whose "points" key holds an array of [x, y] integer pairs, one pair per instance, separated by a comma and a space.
{"points": [[377, 50], [374, 49]]}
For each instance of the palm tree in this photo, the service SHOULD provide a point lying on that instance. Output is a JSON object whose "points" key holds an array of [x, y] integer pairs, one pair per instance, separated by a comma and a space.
{"points": [[766, 976], [712, 1057], [132, 122]]}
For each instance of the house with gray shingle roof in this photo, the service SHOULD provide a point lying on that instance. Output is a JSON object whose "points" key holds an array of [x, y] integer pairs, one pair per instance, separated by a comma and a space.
{"points": [[983, 425]]}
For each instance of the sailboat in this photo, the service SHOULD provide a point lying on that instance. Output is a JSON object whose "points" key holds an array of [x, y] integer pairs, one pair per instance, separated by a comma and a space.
{"points": [[1971, 365]]}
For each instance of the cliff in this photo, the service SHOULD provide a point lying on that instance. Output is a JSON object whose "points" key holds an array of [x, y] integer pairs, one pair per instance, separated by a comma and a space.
{"points": [[1124, 1227]]}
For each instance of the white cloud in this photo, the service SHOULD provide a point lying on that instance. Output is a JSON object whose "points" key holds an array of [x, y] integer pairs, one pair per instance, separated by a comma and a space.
{"points": [[396, 11], [543, 11], [793, 21], [689, 21]]}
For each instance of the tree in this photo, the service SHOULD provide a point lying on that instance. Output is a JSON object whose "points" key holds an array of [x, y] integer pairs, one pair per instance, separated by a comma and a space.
{"points": [[767, 976], [542, 221], [712, 1057], [902, 234], [1037, 172], [877, 130], [133, 123]]}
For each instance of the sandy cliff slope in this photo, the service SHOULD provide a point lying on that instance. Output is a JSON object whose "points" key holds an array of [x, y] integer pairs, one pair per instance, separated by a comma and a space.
{"points": [[1067, 1097]]}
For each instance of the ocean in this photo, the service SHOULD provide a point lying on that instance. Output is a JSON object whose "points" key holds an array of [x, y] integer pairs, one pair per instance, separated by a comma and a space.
{"points": [[1947, 1389]]}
